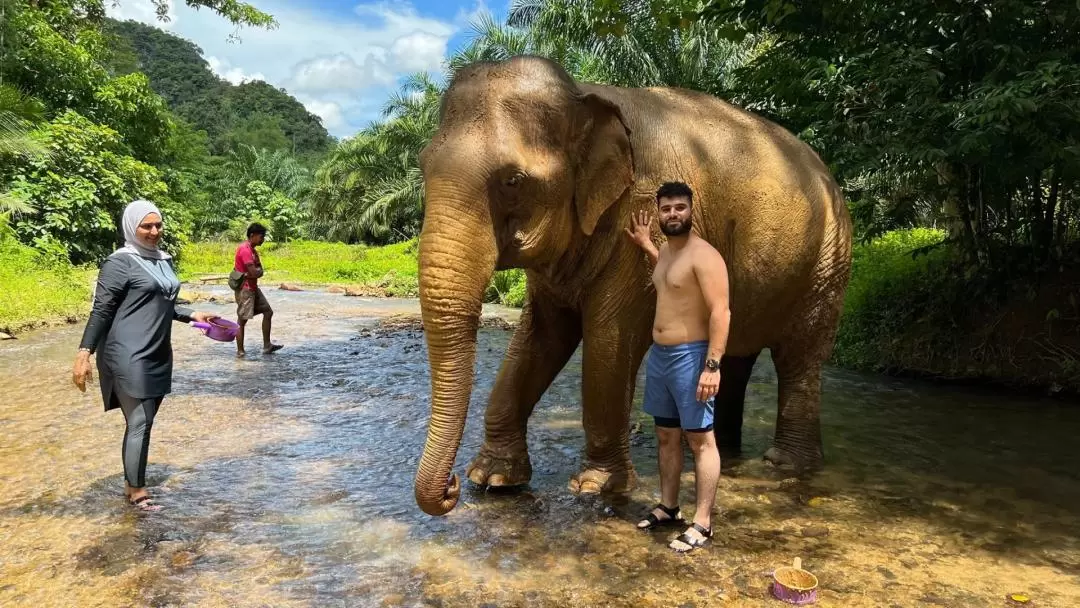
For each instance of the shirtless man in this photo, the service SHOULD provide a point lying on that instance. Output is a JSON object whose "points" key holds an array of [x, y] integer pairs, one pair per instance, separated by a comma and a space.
{"points": [[690, 333]]}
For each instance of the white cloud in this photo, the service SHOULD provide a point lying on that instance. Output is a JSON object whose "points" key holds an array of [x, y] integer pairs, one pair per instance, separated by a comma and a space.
{"points": [[340, 73], [418, 52], [342, 67], [330, 113], [235, 75]]}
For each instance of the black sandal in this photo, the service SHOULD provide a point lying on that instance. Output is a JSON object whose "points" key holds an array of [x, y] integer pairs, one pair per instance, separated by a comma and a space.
{"points": [[690, 541], [674, 515]]}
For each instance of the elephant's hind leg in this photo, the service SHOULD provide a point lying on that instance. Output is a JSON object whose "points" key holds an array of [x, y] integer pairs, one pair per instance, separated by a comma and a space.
{"points": [[798, 359], [544, 340], [797, 441]]}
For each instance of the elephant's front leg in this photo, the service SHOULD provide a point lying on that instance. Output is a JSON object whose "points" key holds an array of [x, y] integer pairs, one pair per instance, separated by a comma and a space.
{"points": [[614, 346], [545, 338]]}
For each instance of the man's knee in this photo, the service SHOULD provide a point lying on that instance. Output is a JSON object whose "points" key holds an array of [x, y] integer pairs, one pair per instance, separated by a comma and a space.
{"points": [[701, 439], [667, 434]]}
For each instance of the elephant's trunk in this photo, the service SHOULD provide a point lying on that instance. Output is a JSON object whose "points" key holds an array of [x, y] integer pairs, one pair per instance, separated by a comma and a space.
{"points": [[457, 257]]}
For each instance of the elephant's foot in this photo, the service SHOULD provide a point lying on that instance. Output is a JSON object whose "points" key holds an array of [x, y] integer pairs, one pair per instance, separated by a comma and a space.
{"points": [[800, 461], [500, 468], [593, 480]]}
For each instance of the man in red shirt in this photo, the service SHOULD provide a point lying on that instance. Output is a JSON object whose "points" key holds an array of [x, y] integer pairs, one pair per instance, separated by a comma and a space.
{"points": [[250, 300]]}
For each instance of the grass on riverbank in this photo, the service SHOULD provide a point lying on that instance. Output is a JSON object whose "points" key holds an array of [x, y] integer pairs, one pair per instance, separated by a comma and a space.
{"points": [[39, 289], [390, 270]]}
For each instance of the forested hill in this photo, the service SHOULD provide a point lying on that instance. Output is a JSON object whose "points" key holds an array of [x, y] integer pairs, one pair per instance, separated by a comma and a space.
{"points": [[254, 113]]}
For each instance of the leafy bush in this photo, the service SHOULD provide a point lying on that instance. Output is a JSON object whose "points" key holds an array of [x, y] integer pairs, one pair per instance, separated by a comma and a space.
{"points": [[897, 282], [80, 188], [259, 203], [507, 288]]}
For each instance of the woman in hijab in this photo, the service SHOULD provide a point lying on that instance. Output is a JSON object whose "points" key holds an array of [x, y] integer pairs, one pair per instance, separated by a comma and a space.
{"points": [[130, 329]]}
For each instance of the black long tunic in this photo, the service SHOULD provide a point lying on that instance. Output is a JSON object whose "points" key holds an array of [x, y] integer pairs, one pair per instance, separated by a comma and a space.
{"points": [[130, 327]]}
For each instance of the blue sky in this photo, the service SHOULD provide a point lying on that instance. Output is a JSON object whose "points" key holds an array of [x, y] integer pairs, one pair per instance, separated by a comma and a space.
{"points": [[340, 58]]}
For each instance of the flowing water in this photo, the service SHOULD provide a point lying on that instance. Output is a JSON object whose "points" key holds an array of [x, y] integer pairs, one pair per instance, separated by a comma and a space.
{"points": [[288, 482]]}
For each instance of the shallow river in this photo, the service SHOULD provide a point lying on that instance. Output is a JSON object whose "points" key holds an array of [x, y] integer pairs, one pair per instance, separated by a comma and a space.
{"points": [[287, 481]]}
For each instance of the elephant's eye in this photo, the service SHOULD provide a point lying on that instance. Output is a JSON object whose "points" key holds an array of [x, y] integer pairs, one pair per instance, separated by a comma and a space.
{"points": [[514, 180]]}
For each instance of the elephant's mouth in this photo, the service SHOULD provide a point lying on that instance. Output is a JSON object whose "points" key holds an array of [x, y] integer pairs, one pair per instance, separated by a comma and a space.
{"points": [[509, 258], [510, 252]]}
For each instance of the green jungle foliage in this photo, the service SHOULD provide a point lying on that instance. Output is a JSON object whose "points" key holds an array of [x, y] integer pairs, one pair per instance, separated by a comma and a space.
{"points": [[252, 113]]}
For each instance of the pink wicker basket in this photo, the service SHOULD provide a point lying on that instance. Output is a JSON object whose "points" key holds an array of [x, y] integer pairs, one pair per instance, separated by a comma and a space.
{"points": [[794, 585]]}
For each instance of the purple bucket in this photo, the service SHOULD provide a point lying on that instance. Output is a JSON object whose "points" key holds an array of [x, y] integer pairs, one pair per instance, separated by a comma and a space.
{"points": [[794, 585], [219, 329]]}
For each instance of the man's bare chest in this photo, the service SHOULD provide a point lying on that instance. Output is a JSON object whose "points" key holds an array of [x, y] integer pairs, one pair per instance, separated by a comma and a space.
{"points": [[674, 276]]}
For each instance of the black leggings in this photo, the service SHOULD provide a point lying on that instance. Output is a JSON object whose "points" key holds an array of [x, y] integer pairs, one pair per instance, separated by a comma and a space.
{"points": [[139, 415]]}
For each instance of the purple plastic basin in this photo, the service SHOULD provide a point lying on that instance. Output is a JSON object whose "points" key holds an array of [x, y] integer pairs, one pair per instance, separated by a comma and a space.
{"points": [[794, 585], [219, 329]]}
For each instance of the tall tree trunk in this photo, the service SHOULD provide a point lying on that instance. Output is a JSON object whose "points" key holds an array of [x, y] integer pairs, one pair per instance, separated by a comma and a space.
{"points": [[1035, 213], [955, 206], [1051, 208]]}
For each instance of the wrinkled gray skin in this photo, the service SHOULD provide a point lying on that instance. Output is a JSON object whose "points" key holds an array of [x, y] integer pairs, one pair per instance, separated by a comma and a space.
{"points": [[531, 170]]}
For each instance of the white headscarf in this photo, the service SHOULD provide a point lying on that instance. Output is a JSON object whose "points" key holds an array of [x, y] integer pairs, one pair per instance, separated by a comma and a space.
{"points": [[134, 214]]}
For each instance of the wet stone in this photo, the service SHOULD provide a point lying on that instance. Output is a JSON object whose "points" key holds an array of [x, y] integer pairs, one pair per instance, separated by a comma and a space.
{"points": [[815, 531]]}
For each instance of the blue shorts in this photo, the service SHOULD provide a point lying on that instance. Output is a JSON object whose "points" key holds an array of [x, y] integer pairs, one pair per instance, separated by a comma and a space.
{"points": [[671, 382]]}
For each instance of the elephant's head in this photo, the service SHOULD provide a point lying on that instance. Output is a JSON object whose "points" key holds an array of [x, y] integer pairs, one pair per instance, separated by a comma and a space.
{"points": [[522, 168]]}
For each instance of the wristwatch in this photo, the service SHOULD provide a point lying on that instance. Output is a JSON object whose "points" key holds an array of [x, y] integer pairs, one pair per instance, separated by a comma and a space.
{"points": [[712, 364]]}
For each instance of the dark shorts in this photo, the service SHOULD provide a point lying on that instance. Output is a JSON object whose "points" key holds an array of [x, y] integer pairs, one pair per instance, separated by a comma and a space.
{"points": [[671, 382], [251, 303]]}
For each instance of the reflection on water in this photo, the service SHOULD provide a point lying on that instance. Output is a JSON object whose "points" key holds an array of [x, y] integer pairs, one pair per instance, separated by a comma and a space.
{"points": [[288, 482]]}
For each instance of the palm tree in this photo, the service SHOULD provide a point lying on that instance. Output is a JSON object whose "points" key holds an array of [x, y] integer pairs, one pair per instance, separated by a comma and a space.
{"points": [[371, 188], [18, 112], [646, 52], [278, 169]]}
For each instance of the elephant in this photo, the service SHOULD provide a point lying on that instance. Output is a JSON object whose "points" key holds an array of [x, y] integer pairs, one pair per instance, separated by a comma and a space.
{"points": [[531, 169]]}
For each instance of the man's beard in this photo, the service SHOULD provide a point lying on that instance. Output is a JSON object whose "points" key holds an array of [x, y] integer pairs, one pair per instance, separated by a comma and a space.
{"points": [[679, 230]]}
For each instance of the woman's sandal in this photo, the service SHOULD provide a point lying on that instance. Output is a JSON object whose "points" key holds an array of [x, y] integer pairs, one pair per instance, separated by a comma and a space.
{"points": [[691, 542], [146, 504], [652, 521]]}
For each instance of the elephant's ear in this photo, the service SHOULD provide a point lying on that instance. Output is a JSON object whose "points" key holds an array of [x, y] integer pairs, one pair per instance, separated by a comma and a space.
{"points": [[605, 162]]}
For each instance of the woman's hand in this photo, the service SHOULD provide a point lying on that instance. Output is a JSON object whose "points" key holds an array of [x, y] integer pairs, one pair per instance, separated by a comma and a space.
{"points": [[203, 317], [83, 371]]}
